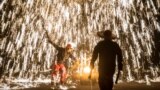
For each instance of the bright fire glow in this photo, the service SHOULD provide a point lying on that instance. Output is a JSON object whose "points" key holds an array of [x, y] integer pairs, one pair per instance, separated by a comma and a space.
{"points": [[86, 69]]}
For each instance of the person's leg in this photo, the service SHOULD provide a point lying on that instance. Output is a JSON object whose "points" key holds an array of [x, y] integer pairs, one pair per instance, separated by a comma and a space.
{"points": [[105, 82], [101, 84], [110, 83], [55, 70], [63, 73]]}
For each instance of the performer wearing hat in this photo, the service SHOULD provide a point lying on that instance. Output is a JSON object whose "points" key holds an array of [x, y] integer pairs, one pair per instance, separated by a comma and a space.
{"points": [[107, 51]]}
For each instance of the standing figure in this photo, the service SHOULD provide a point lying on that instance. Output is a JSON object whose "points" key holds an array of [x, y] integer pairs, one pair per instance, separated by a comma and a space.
{"points": [[62, 62], [108, 52]]}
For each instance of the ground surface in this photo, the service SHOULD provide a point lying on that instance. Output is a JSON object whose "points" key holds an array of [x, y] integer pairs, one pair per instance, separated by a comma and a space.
{"points": [[120, 86]]}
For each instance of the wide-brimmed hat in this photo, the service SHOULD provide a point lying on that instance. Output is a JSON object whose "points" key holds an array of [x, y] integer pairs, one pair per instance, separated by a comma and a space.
{"points": [[106, 34]]}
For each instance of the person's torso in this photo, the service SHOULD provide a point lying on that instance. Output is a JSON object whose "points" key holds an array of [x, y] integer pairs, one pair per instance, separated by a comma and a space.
{"points": [[62, 55], [107, 55]]}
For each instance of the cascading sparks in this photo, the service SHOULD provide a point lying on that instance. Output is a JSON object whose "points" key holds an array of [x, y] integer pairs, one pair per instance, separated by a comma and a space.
{"points": [[24, 22]]}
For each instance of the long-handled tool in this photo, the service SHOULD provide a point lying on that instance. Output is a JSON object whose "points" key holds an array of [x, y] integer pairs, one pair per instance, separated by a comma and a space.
{"points": [[118, 74]]}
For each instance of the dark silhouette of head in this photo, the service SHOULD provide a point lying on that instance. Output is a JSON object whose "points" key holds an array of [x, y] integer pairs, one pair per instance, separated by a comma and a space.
{"points": [[107, 35]]}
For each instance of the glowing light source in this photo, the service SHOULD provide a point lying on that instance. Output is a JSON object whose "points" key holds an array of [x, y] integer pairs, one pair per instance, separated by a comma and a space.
{"points": [[87, 69]]}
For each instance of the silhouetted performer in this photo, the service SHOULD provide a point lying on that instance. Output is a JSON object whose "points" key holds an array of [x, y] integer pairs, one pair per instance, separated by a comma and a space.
{"points": [[156, 50], [61, 65], [108, 52]]}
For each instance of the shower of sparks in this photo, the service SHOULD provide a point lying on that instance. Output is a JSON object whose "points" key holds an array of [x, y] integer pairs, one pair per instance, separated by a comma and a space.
{"points": [[28, 52]]}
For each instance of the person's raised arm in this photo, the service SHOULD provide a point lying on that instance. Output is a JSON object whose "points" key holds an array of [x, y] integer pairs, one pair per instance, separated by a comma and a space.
{"points": [[50, 41]]}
